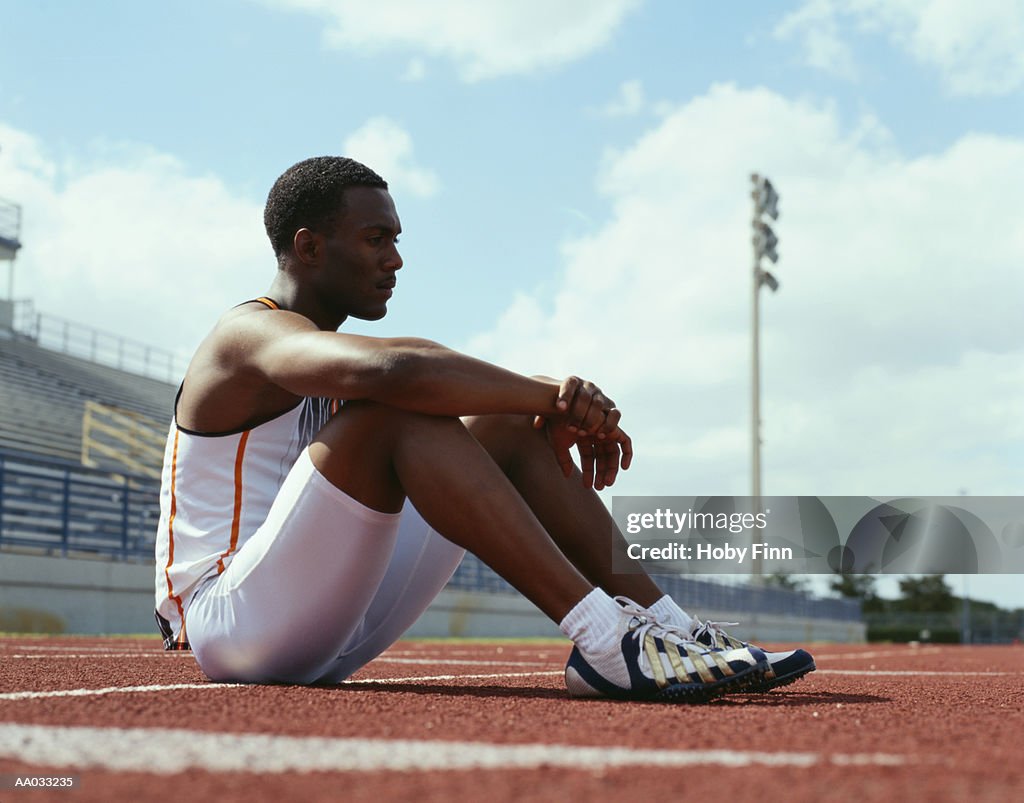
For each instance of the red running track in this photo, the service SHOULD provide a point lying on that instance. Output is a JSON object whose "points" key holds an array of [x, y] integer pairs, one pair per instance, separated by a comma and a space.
{"points": [[491, 721]]}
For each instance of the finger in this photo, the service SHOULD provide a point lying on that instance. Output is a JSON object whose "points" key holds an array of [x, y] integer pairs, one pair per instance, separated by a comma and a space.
{"points": [[539, 421], [592, 418], [626, 444], [567, 392], [586, 450], [611, 421], [608, 464]]}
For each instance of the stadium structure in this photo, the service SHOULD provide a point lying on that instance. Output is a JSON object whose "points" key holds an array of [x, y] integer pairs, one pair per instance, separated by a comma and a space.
{"points": [[83, 420]]}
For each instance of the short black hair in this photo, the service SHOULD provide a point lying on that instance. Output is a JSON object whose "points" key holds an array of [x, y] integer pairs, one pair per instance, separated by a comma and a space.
{"points": [[310, 194]]}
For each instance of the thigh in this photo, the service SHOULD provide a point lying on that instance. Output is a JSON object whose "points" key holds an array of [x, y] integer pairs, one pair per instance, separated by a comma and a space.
{"points": [[297, 589], [422, 563]]}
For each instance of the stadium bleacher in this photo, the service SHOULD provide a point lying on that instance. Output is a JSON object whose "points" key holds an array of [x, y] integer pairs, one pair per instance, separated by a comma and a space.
{"points": [[43, 395]]}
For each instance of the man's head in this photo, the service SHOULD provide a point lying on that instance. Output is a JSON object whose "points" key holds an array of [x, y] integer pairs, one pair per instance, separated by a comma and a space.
{"points": [[311, 194]]}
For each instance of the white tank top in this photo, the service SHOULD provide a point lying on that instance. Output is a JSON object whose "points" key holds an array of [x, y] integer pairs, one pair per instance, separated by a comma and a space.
{"points": [[216, 490]]}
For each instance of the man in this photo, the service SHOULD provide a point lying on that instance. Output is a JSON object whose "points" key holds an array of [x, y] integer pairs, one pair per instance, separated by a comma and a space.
{"points": [[319, 488]]}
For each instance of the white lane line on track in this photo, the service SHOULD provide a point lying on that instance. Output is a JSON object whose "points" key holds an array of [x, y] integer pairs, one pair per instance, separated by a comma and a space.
{"points": [[457, 662], [187, 654], [42, 695], [91, 656], [952, 674], [159, 751], [419, 679], [56, 648], [908, 653]]}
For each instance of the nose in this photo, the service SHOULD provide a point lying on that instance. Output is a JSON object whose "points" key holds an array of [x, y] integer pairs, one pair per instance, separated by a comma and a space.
{"points": [[394, 259]]}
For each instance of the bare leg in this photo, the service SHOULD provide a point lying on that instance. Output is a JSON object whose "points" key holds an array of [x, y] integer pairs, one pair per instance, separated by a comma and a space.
{"points": [[573, 515], [379, 455]]}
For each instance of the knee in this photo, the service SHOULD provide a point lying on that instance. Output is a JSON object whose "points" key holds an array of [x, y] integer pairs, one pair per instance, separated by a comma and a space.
{"points": [[505, 436], [381, 420]]}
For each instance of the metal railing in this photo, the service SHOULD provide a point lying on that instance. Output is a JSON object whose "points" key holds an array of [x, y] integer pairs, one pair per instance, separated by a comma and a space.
{"points": [[693, 594], [57, 507], [95, 345]]}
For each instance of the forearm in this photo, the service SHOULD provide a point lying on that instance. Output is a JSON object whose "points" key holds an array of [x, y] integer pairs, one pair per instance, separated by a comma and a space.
{"points": [[409, 373], [430, 378]]}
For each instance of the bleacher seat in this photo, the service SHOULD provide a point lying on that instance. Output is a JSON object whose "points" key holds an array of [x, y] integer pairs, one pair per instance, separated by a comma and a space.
{"points": [[43, 394]]}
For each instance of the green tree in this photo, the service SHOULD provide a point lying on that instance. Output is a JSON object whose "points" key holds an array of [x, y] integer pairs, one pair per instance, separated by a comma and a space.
{"points": [[927, 594], [790, 582], [860, 587]]}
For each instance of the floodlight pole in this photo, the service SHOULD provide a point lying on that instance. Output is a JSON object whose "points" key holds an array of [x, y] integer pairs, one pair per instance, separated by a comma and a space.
{"points": [[755, 402], [766, 201]]}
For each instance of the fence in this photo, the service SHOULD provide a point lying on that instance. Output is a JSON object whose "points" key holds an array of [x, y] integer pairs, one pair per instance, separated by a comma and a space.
{"points": [[57, 507], [105, 348]]}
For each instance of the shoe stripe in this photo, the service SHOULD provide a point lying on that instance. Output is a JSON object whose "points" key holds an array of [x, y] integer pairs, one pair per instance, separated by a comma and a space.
{"points": [[723, 665], [654, 659], [697, 657], [672, 651]]}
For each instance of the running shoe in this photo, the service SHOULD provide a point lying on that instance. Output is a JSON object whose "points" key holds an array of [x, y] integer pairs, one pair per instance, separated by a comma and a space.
{"points": [[783, 667], [654, 662]]}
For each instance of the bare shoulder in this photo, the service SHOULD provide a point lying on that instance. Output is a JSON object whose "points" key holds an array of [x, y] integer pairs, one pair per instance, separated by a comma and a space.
{"points": [[224, 388]]}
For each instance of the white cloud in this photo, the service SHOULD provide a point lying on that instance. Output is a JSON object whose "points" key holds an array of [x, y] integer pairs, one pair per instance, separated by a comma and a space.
{"points": [[484, 39], [816, 24], [890, 361], [977, 47], [629, 101], [132, 237], [386, 147]]}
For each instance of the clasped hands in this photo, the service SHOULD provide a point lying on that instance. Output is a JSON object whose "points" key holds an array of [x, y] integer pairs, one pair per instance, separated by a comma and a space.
{"points": [[589, 420]]}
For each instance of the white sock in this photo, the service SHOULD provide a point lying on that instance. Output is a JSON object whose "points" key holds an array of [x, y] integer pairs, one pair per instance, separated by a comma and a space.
{"points": [[592, 624], [667, 610]]}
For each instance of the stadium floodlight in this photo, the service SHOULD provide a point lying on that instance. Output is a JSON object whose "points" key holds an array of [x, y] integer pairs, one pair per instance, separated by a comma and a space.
{"points": [[771, 281], [766, 199], [764, 240]]}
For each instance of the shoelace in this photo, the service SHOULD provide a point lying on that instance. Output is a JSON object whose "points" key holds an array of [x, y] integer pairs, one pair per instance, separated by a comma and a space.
{"points": [[714, 630], [650, 623], [687, 647]]}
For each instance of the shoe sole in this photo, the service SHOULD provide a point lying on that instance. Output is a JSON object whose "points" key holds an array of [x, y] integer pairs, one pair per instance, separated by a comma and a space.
{"points": [[767, 684], [744, 680]]}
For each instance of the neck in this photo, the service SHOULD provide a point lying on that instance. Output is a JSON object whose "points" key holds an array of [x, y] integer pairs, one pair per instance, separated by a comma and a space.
{"points": [[297, 297]]}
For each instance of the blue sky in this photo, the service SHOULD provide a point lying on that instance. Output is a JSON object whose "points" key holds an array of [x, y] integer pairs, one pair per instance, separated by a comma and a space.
{"points": [[572, 179]]}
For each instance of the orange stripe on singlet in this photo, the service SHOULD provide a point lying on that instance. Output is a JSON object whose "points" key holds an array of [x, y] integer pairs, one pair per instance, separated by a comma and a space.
{"points": [[236, 519], [170, 529], [268, 301]]}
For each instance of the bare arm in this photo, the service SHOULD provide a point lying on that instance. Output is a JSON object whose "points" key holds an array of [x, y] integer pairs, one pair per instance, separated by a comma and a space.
{"points": [[256, 362], [409, 373]]}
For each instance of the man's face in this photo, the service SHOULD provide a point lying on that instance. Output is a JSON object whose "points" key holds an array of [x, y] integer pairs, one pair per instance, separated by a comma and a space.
{"points": [[361, 255]]}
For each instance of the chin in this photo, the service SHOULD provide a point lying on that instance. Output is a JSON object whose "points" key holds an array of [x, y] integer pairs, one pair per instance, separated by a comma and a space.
{"points": [[370, 315]]}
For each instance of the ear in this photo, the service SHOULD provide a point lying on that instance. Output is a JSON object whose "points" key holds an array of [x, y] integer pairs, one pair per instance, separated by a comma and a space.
{"points": [[308, 245]]}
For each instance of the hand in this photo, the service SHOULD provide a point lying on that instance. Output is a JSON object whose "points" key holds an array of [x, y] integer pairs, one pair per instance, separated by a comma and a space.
{"points": [[590, 420], [586, 409], [600, 459]]}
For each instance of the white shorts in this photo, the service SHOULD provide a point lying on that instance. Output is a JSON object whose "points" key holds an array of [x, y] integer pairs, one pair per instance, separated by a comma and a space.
{"points": [[320, 589]]}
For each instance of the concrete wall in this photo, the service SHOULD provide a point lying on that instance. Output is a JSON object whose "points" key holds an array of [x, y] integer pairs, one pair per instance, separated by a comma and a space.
{"points": [[66, 595]]}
